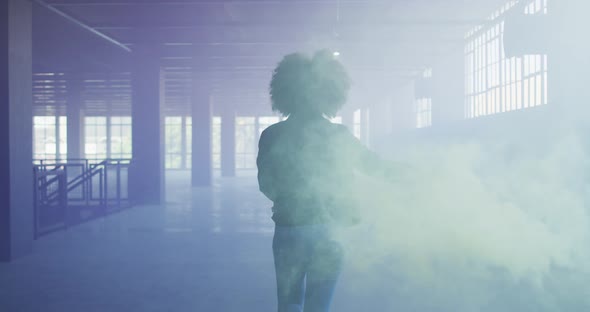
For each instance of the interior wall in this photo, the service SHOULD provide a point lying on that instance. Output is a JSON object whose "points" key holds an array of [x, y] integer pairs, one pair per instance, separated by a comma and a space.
{"points": [[403, 111], [380, 121], [448, 89]]}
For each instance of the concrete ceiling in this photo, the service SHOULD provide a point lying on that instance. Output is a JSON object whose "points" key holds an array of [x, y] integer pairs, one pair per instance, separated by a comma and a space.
{"points": [[390, 42]]}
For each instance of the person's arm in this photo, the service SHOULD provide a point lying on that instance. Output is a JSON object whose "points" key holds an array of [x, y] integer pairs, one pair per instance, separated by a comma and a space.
{"points": [[266, 171]]}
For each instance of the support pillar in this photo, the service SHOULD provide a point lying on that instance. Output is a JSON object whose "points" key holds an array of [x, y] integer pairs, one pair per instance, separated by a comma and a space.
{"points": [[16, 130], [201, 171], [75, 125], [147, 173], [228, 143]]}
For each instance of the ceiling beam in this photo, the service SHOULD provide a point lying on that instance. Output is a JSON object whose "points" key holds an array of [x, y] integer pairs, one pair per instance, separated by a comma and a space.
{"points": [[82, 25], [58, 46], [274, 37], [209, 2], [244, 25]]}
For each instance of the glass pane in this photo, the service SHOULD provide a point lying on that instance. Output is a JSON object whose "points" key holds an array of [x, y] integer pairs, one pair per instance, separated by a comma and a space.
{"points": [[246, 144], [95, 147]]}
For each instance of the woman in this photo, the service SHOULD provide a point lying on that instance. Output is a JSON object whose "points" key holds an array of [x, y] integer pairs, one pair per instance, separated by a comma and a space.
{"points": [[306, 166]]}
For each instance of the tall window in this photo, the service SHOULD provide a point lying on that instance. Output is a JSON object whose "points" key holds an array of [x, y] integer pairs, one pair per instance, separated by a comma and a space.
{"points": [[174, 142], [179, 141], [423, 112], [248, 131], [246, 145], [424, 106], [357, 123], [107, 137], [120, 137], [95, 129], [188, 134], [265, 122], [494, 83], [216, 142], [50, 137]]}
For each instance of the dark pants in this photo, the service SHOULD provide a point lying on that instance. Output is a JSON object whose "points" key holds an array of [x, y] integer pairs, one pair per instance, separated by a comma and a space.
{"points": [[307, 263]]}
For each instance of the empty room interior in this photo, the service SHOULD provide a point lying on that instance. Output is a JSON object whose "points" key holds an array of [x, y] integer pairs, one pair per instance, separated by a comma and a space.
{"points": [[294, 155]]}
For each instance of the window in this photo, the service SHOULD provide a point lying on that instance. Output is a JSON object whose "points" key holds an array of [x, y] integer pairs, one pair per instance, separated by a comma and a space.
{"points": [[423, 112], [107, 138], [50, 137], [248, 130], [424, 106], [179, 142], [120, 138], [174, 142], [62, 122], [246, 145], [357, 123], [188, 135], [95, 147], [216, 142], [265, 122], [496, 84]]}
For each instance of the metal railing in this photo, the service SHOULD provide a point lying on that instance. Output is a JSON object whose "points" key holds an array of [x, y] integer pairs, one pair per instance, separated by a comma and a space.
{"points": [[73, 191]]}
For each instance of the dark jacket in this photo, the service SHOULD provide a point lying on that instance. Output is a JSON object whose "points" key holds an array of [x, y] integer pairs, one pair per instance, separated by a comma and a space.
{"points": [[307, 166]]}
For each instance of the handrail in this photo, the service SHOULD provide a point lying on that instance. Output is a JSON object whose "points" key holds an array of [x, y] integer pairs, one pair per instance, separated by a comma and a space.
{"points": [[45, 173], [47, 183], [90, 168], [91, 175], [58, 204]]}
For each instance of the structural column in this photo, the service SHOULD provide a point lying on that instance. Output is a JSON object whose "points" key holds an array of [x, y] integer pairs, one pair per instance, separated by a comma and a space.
{"points": [[201, 171], [228, 143], [16, 137], [75, 119], [147, 172]]}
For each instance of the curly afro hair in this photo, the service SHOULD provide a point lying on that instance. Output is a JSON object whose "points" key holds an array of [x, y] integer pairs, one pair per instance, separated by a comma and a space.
{"points": [[303, 85]]}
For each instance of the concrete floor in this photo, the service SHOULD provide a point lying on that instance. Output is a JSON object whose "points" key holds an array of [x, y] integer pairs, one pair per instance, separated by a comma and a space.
{"points": [[205, 250]]}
